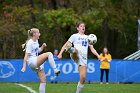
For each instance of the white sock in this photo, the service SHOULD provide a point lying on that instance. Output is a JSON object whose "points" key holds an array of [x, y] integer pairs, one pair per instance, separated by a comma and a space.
{"points": [[72, 50], [51, 61], [79, 87], [42, 87]]}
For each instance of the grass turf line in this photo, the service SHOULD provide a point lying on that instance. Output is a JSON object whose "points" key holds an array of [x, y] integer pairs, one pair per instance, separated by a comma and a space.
{"points": [[71, 87]]}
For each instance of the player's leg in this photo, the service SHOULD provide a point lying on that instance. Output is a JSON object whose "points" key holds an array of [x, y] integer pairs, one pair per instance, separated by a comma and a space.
{"points": [[42, 78], [73, 52], [107, 75], [101, 76], [82, 72], [74, 56], [43, 57]]}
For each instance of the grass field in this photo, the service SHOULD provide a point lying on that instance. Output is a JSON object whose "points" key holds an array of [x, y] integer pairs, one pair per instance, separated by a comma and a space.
{"points": [[70, 88]]}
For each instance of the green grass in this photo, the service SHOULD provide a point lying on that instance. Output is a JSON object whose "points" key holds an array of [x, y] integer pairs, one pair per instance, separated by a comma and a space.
{"points": [[70, 88]]}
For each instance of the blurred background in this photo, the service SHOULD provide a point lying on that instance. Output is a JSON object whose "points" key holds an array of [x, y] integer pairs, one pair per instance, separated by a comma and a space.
{"points": [[115, 22]]}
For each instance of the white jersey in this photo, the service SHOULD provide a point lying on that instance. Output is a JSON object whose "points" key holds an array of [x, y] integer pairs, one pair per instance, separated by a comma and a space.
{"points": [[32, 47], [80, 43]]}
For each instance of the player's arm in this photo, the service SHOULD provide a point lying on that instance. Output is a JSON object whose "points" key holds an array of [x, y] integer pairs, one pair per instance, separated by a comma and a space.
{"points": [[63, 49], [24, 62], [94, 51], [42, 47]]}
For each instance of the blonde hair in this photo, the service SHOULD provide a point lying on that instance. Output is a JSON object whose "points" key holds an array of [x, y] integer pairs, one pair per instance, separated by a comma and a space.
{"points": [[30, 34]]}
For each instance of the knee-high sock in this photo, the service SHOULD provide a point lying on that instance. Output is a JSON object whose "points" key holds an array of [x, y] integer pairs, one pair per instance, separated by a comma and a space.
{"points": [[51, 61], [79, 87], [71, 50], [42, 87]]}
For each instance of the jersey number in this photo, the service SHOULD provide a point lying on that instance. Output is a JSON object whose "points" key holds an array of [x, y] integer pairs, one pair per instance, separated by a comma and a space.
{"points": [[84, 43], [36, 50]]}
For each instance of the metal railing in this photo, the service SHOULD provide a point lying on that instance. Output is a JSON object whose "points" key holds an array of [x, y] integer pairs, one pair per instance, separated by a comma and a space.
{"points": [[134, 56]]}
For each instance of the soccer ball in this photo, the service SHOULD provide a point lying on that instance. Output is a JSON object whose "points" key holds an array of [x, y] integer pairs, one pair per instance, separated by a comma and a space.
{"points": [[92, 39]]}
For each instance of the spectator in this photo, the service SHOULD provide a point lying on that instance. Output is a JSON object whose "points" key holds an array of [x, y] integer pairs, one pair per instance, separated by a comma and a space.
{"points": [[55, 54], [105, 59]]}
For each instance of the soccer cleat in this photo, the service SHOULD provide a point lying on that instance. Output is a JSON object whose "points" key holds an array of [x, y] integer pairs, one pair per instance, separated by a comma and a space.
{"points": [[57, 72], [68, 46]]}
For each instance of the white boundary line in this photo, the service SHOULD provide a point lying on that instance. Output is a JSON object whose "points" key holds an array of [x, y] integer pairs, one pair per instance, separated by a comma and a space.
{"points": [[28, 88]]}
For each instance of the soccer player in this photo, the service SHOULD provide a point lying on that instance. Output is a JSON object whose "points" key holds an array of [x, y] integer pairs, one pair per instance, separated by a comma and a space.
{"points": [[79, 52], [35, 61]]}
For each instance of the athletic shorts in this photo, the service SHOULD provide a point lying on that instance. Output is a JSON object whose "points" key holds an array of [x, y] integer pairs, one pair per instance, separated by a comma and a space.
{"points": [[32, 63]]}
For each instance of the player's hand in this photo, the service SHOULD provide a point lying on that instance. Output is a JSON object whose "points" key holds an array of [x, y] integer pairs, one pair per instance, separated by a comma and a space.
{"points": [[23, 69], [59, 56]]}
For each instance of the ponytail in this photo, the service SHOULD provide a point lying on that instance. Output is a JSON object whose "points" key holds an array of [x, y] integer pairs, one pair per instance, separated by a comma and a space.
{"points": [[24, 45], [30, 34]]}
